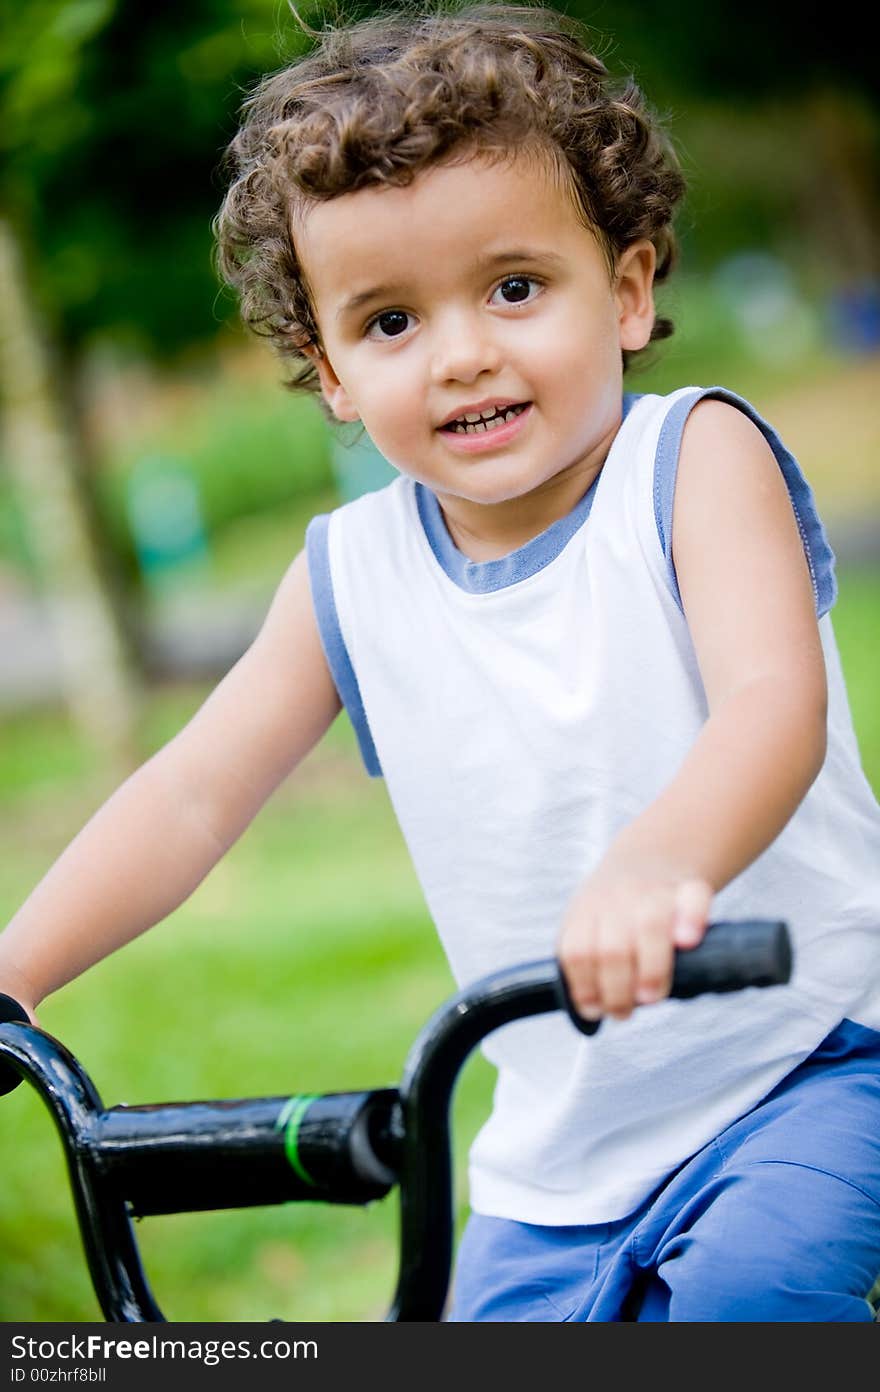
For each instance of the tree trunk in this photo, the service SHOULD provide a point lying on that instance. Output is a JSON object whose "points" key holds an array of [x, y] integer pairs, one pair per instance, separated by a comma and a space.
{"points": [[99, 683]]}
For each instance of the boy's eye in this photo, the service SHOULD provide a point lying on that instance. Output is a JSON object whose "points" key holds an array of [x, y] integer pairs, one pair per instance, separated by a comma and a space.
{"points": [[516, 289], [391, 324]]}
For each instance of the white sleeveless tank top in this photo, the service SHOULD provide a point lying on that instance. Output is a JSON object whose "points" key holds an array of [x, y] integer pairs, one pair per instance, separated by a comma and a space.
{"points": [[523, 711]]}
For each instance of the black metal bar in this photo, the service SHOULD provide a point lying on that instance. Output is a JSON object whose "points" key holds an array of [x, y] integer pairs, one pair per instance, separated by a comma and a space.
{"points": [[108, 1240], [421, 1126], [187, 1157]]}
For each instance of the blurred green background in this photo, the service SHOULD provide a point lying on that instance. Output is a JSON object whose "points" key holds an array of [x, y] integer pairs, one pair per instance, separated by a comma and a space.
{"points": [[156, 481]]}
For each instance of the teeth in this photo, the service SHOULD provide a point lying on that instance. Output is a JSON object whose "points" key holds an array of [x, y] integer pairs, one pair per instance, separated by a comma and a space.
{"points": [[480, 422]]}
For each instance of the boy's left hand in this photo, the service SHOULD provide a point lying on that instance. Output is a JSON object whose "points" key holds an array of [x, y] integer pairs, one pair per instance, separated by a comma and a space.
{"points": [[620, 934]]}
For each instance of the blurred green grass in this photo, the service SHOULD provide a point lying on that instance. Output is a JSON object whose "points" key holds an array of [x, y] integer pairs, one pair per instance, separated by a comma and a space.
{"points": [[305, 962]]}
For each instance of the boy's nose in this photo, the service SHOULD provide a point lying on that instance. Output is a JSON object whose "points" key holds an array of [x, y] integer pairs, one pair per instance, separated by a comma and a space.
{"points": [[463, 351]]}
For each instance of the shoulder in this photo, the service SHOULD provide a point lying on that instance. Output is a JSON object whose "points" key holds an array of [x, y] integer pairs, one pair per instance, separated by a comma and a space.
{"points": [[727, 476], [364, 536], [707, 439], [289, 632], [374, 503], [723, 426], [725, 460], [360, 522], [729, 491], [739, 554], [275, 702]]}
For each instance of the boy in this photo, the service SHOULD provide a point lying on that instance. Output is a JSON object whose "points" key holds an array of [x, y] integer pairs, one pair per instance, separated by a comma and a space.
{"points": [[599, 715]]}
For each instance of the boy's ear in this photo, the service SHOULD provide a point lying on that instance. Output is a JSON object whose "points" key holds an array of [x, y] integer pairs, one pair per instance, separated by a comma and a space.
{"points": [[635, 294], [333, 391]]}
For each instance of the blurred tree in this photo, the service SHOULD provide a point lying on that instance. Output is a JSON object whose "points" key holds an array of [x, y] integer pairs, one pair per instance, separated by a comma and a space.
{"points": [[117, 169], [112, 120], [42, 452], [745, 51], [40, 455]]}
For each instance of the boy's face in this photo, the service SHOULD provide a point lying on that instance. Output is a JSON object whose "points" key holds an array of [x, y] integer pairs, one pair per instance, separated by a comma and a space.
{"points": [[484, 287]]}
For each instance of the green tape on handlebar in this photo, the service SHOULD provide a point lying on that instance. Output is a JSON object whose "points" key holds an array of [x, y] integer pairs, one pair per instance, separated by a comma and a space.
{"points": [[289, 1122]]}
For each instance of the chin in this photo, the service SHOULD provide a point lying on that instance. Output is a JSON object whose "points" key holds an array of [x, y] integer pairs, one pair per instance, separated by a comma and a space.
{"points": [[490, 496], [505, 490]]}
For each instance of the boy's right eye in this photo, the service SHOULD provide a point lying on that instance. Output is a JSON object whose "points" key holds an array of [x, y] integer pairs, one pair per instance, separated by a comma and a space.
{"points": [[392, 322]]}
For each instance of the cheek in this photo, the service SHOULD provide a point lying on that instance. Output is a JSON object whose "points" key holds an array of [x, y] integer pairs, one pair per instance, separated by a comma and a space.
{"points": [[564, 343], [393, 414], [393, 391], [593, 355], [363, 387]]}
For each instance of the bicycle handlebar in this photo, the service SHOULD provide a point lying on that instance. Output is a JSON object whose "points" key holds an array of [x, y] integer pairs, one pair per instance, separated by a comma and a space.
{"points": [[339, 1147]]}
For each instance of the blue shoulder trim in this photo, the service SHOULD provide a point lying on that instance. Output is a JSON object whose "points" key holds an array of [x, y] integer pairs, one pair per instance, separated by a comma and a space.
{"points": [[332, 641], [820, 557]]}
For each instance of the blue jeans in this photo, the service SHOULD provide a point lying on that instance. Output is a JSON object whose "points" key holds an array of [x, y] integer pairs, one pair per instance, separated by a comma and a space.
{"points": [[776, 1220]]}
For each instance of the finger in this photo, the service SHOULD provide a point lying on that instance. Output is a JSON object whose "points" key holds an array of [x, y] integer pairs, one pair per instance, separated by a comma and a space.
{"points": [[577, 958], [581, 975], [653, 946], [616, 971], [693, 903], [654, 960]]}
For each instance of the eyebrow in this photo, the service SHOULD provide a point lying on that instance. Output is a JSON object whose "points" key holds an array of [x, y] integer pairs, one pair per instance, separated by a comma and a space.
{"points": [[482, 263]]}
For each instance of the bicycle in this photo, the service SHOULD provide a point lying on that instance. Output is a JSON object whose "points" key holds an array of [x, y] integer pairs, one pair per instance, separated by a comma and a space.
{"points": [[129, 1162]]}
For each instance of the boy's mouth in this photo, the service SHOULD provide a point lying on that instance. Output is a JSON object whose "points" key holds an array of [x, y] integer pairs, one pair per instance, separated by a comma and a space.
{"points": [[484, 422]]}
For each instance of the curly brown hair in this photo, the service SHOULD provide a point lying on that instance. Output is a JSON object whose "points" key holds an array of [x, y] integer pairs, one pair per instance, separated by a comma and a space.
{"points": [[378, 101]]}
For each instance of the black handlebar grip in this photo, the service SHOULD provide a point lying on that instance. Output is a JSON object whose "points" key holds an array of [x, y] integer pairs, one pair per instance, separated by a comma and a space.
{"points": [[10, 1011], [746, 952]]}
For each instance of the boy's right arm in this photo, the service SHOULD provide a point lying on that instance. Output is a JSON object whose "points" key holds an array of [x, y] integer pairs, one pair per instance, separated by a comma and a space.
{"points": [[148, 847]]}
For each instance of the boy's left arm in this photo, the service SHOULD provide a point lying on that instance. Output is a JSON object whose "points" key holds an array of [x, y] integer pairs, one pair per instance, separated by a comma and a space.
{"points": [[748, 599]]}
